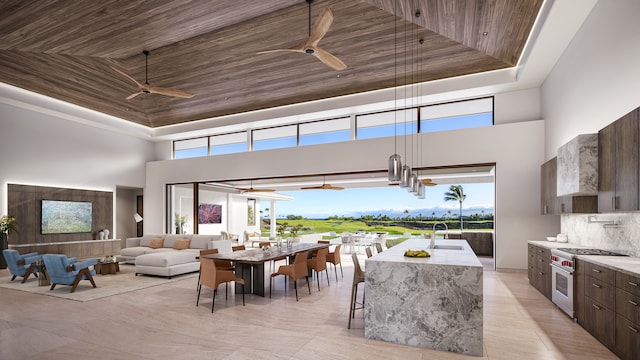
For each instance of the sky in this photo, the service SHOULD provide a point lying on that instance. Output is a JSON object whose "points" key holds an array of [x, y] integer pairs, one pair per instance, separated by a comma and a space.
{"points": [[324, 203]]}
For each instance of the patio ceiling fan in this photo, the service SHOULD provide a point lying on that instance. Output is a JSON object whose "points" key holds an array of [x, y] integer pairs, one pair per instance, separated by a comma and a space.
{"points": [[310, 45], [251, 189], [145, 88], [428, 182], [324, 186]]}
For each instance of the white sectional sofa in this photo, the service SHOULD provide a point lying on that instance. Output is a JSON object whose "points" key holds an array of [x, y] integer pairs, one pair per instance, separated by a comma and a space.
{"points": [[170, 255]]}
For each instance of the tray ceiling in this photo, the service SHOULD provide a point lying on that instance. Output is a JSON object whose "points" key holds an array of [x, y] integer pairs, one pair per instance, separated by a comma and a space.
{"points": [[64, 49]]}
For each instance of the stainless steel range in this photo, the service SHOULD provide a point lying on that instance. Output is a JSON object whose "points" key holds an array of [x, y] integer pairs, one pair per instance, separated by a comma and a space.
{"points": [[562, 268]]}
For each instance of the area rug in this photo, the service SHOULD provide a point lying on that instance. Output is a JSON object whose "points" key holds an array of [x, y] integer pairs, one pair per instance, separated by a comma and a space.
{"points": [[107, 285]]}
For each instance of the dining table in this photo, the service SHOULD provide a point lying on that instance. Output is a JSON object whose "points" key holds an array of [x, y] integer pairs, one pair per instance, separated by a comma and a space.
{"points": [[249, 263]]}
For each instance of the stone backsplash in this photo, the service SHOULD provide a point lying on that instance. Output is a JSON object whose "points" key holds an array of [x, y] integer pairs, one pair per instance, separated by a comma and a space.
{"points": [[587, 230]]}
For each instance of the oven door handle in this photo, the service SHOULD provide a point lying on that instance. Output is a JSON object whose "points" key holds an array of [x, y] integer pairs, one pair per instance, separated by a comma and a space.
{"points": [[563, 270]]}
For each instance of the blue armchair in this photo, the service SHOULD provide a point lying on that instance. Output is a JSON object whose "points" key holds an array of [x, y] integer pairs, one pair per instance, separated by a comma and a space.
{"points": [[68, 271], [21, 265]]}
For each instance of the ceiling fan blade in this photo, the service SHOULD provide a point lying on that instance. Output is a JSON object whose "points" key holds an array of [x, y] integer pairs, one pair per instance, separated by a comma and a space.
{"points": [[140, 85], [331, 187], [250, 190], [170, 92], [134, 95], [295, 48], [329, 59], [428, 182], [323, 187], [320, 28]]}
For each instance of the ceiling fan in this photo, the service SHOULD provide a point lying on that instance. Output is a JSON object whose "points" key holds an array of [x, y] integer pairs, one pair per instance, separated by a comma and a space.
{"points": [[148, 89], [428, 182], [310, 45], [251, 189], [324, 186]]}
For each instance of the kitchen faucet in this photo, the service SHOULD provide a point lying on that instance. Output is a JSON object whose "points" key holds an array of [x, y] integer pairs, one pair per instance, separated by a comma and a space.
{"points": [[446, 229]]}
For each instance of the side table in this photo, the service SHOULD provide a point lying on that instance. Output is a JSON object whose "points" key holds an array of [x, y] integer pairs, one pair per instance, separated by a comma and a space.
{"points": [[43, 276], [105, 268]]}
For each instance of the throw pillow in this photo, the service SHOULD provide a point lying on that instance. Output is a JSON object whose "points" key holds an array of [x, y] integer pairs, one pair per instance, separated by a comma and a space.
{"points": [[181, 244], [156, 243]]}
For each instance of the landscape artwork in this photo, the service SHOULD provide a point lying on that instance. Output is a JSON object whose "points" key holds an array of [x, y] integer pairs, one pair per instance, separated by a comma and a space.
{"points": [[66, 217], [210, 214]]}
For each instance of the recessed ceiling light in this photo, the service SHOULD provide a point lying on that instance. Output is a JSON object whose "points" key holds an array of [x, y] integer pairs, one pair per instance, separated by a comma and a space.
{"points": [[485, 33]]}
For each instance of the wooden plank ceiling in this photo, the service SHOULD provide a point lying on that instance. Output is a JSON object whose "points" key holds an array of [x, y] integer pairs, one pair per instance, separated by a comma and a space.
{"points": [[64, 49]]}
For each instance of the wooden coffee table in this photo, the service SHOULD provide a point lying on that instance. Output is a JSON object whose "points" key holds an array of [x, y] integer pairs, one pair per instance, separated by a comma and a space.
{"points": [[105, 268]]}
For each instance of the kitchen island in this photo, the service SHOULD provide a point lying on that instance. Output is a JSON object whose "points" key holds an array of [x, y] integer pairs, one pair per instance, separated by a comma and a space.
{"points": [[433, 302]]}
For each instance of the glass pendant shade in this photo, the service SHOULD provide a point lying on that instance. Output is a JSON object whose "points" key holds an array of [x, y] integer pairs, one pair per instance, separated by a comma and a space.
{"points": [[420, 190], [415, 184], [413, 180], [395, 168], [405, 176]]}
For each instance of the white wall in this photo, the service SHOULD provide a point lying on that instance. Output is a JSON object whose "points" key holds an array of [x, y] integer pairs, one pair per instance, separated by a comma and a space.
{"points": [[516, 148], [597, 79], [214, 197], [39, 149]]}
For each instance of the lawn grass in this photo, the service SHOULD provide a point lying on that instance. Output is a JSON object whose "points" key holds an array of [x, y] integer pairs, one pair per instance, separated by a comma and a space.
{"points": [[311, 226]]}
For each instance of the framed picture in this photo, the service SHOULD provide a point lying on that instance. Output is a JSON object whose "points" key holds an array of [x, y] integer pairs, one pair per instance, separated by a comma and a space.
{"points": [[66, 217], [210, 214], [251, 212]]}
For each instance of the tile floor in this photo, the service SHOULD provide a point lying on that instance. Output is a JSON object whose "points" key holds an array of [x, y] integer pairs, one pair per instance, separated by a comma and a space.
{"points": [[162, 322]]}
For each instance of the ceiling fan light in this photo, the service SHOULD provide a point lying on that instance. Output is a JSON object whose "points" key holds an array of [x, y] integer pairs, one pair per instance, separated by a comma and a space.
{"points": [[405, 176], [395, 168]]}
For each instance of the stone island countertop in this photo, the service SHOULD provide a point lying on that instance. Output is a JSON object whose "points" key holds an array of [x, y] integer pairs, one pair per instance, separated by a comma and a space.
{"points": [[434, 302]]}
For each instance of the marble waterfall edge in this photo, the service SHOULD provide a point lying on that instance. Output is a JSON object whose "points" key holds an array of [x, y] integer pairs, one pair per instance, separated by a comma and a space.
{"points": [[430, 305]]}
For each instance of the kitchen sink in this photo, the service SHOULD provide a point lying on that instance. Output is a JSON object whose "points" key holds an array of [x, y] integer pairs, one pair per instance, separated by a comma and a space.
{"points": [[448, 247]]}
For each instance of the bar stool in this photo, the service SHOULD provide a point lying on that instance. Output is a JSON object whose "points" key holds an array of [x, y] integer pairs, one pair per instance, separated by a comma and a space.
{"points": [[358, 277]]}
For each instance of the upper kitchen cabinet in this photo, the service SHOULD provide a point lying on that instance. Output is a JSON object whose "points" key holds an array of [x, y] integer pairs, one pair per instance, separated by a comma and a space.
{"points": [[548, 180], [619, 164], [551, 203]]}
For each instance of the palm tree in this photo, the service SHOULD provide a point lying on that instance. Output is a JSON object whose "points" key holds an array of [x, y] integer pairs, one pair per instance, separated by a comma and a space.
{"points": [[456, 193]]}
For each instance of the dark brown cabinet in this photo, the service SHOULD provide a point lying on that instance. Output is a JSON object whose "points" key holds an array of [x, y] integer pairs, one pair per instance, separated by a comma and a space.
{"points": [[578, 291], [539, 269], [607, 304], [619, 164], [627, 316], [548, 183], [551, 203], [599, 303]]}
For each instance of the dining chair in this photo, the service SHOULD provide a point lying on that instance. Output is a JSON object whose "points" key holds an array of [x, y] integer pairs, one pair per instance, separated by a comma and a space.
{"points": [[211, 277], [358, 277], [334, 258], [379, 247], [295, 271], [368, 251], [238, 248], [220, 264], [314, 252], [346, 241], [390, 243], [319, 264]]}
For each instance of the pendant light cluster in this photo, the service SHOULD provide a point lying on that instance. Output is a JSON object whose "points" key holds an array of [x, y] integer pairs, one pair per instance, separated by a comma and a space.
{"points": [[395, 161], [403, 174]]}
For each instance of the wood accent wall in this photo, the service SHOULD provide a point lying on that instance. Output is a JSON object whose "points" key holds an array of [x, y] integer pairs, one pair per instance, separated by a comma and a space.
{"points": [[24, 203], [79, 249]]}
